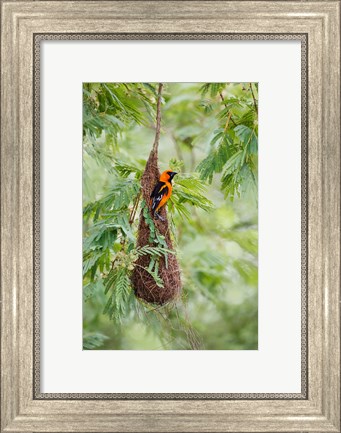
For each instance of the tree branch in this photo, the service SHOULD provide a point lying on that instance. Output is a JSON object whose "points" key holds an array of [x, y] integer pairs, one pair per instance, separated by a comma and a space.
{"points": [[158, 119], [230, 113], [254, 99], [134, 209]]}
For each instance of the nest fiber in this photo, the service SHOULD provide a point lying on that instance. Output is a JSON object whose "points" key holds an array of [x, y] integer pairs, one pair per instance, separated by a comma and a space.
{"points": [[144, 284]]}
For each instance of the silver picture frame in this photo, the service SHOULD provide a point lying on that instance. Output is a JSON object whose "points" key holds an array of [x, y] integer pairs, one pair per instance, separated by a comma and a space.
{"points": [[24, 25]]}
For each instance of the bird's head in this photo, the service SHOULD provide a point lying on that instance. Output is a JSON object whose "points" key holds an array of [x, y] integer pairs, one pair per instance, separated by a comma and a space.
{"points": [[167, 176]]}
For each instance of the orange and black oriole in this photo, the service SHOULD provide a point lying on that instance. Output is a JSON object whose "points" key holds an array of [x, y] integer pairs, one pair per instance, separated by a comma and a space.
{"points": [[161, 192]]}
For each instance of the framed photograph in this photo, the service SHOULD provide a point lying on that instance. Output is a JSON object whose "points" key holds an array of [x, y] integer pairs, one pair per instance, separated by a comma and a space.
{"points": [[170, 216]]}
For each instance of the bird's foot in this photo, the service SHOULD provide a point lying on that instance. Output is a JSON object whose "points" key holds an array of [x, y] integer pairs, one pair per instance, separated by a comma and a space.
{"points": [[159, 217]]}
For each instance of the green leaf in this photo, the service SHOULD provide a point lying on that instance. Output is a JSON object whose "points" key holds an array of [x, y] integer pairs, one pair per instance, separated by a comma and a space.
{"points": [[248, 137], [94, 340], [118, 282], [215, 161]]}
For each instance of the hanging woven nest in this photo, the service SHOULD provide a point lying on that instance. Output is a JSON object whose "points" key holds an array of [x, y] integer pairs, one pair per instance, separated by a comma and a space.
{"points": [[143, 282]]}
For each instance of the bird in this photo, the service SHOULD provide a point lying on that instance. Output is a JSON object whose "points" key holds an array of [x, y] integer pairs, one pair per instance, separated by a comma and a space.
{"points": [[161, 192]]}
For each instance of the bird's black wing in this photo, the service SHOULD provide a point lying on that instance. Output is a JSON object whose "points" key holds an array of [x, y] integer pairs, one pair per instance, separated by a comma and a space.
{"points": [[159, 191]]}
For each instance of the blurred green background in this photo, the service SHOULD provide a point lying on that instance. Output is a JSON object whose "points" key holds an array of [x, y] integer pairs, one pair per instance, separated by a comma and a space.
{"points": [[209, 134]]}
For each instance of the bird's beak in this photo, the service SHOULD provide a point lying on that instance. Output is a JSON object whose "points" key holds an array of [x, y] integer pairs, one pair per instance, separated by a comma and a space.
{"points": [[174, 173]]}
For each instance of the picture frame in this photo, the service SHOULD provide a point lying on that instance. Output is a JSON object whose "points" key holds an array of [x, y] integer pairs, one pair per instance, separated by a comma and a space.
{"points": [[23, 408]]}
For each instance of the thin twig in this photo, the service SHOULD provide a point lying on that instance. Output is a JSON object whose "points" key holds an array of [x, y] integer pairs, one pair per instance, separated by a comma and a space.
{"points": [[254, 99], [223, 99], [227, 121], [158, 119], [134, 209], [224, 102]]}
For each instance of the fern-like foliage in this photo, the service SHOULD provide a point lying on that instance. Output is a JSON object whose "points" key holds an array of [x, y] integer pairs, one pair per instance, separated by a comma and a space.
{"points": [[124, 169], [106, 226], [216, 159], [108, 109], [109, 249], [234, 145], [190, 190], [94, 340], [213, 89], [157, 245], [118, 282]]}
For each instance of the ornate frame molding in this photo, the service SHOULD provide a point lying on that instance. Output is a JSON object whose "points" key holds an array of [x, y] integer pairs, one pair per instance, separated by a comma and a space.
{"points": [[303, 38], [317, 25]]}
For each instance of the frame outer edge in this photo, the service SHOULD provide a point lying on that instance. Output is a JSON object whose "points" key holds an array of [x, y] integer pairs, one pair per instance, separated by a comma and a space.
{"points": [[10, 266], [13, 209], [331, 219], [26, 209], [315, 216]]}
